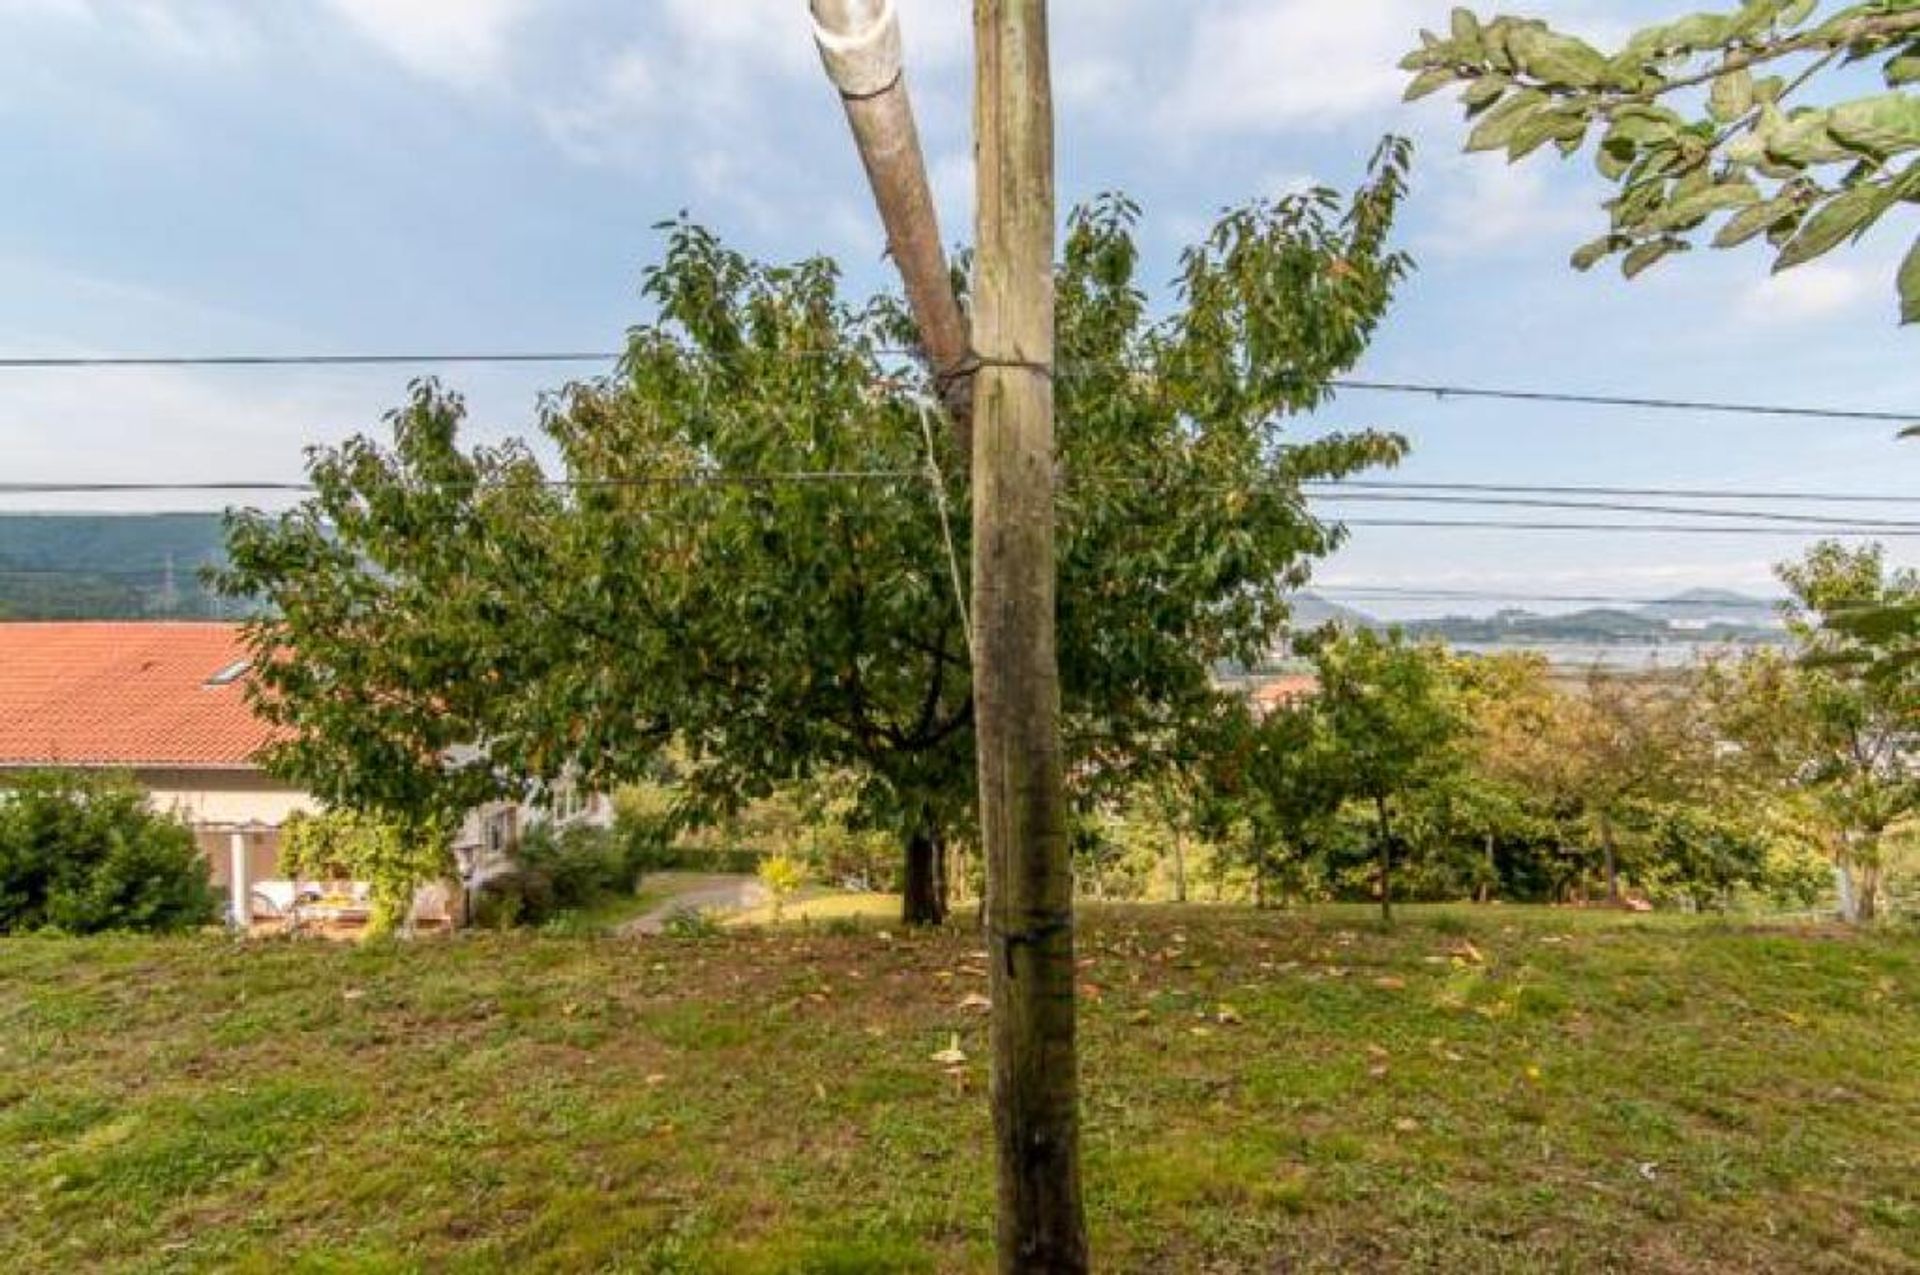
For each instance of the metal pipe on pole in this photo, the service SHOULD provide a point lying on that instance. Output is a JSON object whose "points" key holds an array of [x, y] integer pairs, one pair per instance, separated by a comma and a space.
{"points": [[860, 43]]}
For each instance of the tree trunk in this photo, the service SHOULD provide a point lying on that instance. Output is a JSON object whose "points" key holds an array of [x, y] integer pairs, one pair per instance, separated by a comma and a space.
{"points": [[1866, 895], [1179, 867], [1610, 853], [924, 899], [1386, 861], [1493, 873], [1023, 811]]}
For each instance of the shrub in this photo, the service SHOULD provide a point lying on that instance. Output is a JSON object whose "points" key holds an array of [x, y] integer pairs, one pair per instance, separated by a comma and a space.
{"points": [[554, 872], [582, 865], [691, 923], [82, 853], [519, 897], [782, 876]]}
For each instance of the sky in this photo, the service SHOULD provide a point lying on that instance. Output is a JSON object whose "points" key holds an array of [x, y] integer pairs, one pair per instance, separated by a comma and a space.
{"points": [[320, 176]]}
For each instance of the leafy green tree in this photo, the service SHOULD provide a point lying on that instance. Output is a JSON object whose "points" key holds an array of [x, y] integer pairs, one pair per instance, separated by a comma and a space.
{"points": [[1513, 784], [1632, 742], [672, 588], [1705, 119], [1826, 728], [83, 853], [1392, 725], [1295, 779]]}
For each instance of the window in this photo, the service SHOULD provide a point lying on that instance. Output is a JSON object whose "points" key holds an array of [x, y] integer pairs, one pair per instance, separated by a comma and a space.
{"points": [[230, 674]]}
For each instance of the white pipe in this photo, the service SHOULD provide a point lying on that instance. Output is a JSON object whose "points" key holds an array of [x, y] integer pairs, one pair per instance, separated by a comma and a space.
{"points": [[860, 44]]}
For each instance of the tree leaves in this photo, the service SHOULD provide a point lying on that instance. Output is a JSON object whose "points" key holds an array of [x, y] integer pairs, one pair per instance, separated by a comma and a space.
{"points": [[448, 624], [1845, 216], [1910, 288], [1808, 177]]}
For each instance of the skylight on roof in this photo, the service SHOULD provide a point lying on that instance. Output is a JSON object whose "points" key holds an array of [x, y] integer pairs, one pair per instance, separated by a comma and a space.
{"points": [[230, 674]]}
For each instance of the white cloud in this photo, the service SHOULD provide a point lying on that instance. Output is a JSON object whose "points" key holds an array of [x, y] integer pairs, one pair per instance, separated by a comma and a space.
{"points": [[1289, 63], [207, 31], [1486, 206], [1265, 66], [465, 43], [1810, 293], [595, 127]]}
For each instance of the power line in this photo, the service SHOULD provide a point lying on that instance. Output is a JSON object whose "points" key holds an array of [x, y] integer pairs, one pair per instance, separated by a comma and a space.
{"points": [[1507, 495], [1672, 529], [1439, 390], [1664, 493], [1621, 400], [1510, 502]]}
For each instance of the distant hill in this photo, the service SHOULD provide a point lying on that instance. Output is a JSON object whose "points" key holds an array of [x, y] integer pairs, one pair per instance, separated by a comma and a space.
{"points": [[109, 566], [1311, 611], [1709, 606], [1697, 616]]}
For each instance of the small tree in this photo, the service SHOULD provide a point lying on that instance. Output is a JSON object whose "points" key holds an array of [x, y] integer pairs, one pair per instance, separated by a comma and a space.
{"points": [[782, 876], [1839, 734], [83, 854], [1807, 176], [1392, 724]]}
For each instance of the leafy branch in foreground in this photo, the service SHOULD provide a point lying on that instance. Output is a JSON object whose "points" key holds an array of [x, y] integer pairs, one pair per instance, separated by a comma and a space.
{"points": [[1702, 119]]}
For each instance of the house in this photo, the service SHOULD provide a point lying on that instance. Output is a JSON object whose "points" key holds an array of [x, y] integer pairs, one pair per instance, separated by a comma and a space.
{"points": [[1281, 692], [167, 704]]}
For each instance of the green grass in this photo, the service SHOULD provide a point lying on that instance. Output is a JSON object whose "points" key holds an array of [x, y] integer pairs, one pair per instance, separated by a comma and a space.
{"points": [[1476, 1090]]}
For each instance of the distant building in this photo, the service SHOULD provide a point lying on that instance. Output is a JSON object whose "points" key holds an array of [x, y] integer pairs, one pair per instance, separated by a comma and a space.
{"points": [[167, 704], [1283, 691]]}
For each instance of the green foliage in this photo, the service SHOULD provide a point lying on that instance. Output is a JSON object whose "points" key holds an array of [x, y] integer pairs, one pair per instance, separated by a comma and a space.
{"points": [[1751, 156], [82, 853], [430, 601], [692, 923], [394, 856], [1833, 731], [1705, 858], [555, 871], [108, 566]]}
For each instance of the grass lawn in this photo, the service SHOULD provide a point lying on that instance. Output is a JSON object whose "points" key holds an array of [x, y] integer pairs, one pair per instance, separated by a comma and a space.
{"points": [[822, 905], [1479, 1090]]}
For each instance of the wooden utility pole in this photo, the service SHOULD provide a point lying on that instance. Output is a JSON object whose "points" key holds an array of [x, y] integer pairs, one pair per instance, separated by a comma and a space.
{"points": [[860, 43], [1016, 682]]}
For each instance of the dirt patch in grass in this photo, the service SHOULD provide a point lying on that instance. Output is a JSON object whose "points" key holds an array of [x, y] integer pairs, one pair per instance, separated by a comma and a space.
{"points": [[1497, 1089]]}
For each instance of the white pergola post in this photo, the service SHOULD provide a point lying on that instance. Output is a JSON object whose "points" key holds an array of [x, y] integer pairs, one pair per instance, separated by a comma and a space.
{"points": [[240, 889]]}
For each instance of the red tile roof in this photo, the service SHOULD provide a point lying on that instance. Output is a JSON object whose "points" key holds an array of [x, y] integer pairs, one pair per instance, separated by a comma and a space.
{"points": [[1288, 688], [131, 695]]}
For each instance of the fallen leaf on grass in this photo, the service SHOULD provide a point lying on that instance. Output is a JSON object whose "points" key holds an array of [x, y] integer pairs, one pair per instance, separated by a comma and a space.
{"points": [[1405, 1125], [1140, 1017], [1390, 983]]}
